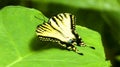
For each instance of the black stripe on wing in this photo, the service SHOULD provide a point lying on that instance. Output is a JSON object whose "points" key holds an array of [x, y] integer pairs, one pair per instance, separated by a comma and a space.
{"points": [[55, 28], [59, 17], [72, 20], [41, 28], [65, 14], [54, 19]]}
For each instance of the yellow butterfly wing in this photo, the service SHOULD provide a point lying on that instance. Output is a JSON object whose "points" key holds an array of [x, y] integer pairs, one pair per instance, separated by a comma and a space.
{"points": [[58, 27]]}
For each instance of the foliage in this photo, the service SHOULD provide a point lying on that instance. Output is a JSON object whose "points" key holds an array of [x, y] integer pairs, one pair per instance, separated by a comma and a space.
{"points": [[99, 15], [20, 46]]}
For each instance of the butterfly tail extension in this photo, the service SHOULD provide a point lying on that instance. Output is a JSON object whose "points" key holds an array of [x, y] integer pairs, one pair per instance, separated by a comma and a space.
{"points": [[90, 47]]}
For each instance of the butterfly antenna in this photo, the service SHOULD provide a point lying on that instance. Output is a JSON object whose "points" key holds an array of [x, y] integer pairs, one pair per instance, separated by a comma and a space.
{"points": [[40, 18]]}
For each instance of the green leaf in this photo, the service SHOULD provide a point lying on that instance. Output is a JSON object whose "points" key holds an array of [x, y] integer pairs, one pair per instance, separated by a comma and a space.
{"points": [[20, 47]]}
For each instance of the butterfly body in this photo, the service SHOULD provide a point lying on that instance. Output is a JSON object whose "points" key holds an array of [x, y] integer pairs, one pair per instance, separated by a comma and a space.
{"points": [[61, 29]]}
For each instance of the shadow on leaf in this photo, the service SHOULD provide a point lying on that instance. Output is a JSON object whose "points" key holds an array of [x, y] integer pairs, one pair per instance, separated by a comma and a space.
{"points": [[38, 45]]}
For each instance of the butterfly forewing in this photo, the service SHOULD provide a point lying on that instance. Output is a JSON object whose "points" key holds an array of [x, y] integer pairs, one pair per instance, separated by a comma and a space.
{"points": [[59, 27], [47, 31]]}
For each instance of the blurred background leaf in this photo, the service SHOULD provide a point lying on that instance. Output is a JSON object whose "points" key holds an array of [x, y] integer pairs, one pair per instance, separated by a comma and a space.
{"points": [[100, 15]]}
